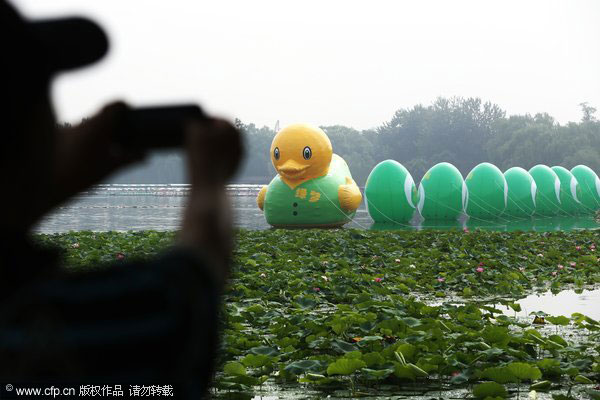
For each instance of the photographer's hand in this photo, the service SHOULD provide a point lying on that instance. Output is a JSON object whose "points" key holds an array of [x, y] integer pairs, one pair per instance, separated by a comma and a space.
{"points": [[88, 153], [214, 152]]}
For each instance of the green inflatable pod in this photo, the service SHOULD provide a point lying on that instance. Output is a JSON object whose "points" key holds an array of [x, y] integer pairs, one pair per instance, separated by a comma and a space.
{"points": [[442, 193], [570, 191], [590, 188], [391, 194], [488, 192], [522, 193], [548, 186]]}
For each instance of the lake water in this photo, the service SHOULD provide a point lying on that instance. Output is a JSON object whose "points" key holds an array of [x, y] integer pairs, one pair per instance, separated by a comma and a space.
{"points": [[160, 207], [564, 303]]}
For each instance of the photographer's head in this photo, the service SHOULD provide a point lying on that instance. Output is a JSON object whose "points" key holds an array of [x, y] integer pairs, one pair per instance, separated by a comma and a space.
{"points": [[32, 52]]}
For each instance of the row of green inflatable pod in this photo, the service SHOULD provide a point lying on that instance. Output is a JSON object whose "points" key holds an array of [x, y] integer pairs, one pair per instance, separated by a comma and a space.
{"points": [[486, 193]]}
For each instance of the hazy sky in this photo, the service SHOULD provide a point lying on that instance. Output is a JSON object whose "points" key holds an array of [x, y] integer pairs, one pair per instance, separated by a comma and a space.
{"points": [[335, 62]]}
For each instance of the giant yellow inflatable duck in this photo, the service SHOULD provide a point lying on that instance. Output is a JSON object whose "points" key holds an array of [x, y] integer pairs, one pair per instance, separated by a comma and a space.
{"points": [[313, 187]]}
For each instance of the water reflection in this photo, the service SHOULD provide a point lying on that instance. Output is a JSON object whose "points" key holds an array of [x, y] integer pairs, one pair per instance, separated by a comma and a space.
{"points": [[442, 225], [546, 224], [498, 225], [492, 225], [564, 303], [160, 207], [522, 226], [385, 226]]}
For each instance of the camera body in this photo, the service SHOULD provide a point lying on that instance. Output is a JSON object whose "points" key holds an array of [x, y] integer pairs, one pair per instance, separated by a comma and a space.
{"points": [[157, 127]]}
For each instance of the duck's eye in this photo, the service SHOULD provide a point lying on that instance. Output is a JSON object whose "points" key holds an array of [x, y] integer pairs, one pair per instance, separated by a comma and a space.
{"points": [[307, 153], [276, 153]]}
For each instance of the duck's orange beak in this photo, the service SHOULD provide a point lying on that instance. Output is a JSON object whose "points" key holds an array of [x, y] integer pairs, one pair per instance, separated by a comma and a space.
{"points": [[292, 169]]}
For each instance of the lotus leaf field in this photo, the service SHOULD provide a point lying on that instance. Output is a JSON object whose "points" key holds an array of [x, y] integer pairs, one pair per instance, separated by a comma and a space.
{"points": [[381, 314]]}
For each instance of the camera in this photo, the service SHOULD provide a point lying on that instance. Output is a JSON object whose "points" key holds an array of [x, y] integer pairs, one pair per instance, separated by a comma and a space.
{"points": [[157, 127]]}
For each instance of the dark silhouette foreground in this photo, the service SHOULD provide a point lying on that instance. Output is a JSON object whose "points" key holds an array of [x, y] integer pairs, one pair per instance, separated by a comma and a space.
{"points": [[138, 323]]}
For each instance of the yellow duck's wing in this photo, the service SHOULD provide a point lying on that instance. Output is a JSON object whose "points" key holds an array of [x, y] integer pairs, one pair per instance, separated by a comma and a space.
{"points": [[260, 200], [349, 195]]}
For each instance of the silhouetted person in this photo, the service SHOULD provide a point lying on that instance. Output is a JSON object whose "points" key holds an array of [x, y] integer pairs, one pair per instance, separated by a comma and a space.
{"points": [[138, 323]]}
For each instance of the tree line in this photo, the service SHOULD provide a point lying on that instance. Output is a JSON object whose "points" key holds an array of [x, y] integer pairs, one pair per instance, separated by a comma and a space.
{"points": [[462, 131]]}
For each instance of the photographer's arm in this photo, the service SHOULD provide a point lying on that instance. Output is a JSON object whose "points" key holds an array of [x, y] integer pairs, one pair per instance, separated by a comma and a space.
{"points": [[53, 163], [214, 152], [87, 153]]}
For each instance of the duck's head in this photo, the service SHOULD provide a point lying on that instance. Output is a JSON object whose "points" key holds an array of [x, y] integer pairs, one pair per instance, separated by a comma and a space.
{"points": [[300, 152]]}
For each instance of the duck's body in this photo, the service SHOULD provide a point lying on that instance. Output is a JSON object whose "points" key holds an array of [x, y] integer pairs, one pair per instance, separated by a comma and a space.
{"points": [[313, 188]]}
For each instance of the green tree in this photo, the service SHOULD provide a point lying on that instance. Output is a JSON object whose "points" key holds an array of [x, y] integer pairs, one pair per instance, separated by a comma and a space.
{"points": [[462, 131], [588, 112]]}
